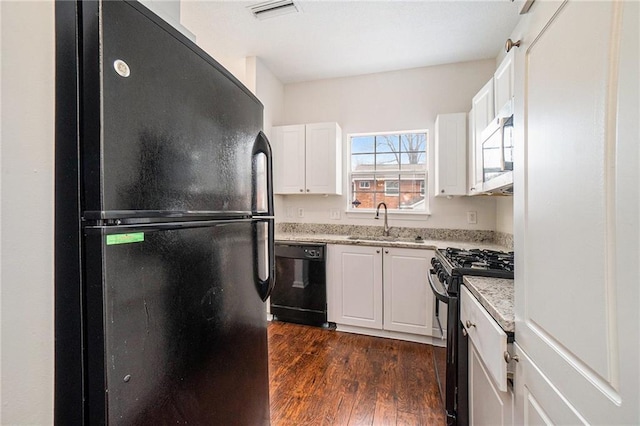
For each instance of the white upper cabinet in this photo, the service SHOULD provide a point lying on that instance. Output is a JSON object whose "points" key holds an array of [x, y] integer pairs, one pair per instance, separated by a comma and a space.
{"points": [[503, 81], [289, 151], [576, 210], [451, 154], [482, 112], [307, 159]]}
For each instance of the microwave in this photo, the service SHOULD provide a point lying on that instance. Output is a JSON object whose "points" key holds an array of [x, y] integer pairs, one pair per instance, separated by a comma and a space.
{"points": [[497, 156]]}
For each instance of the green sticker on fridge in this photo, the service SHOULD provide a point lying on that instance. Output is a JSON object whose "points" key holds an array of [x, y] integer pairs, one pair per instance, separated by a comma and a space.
{"points": [[135, 237]]}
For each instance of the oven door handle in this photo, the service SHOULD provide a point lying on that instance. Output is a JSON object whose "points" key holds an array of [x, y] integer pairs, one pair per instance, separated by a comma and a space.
{"points": [[441, 295], [438, 319]]}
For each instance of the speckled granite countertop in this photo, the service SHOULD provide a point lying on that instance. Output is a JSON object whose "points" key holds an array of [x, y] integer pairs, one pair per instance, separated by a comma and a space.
{"points": [[429, 238], [496, 296], [405, 242]]}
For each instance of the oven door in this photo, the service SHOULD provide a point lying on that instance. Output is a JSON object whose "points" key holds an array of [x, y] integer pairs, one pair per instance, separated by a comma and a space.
{"points": [[445, 360], [497, 155]]}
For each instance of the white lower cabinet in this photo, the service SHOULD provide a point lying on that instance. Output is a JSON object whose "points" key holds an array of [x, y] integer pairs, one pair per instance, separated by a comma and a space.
{"points": [[491, 397], [380, 288], [488, 405]]}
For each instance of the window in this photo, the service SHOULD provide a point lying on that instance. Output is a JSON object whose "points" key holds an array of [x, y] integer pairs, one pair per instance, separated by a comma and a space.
{"points": [[390, 168], [391, 187]]}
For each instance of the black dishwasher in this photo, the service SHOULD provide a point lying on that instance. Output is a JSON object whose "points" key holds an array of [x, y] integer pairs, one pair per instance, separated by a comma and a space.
{"points": [[300, 293]]}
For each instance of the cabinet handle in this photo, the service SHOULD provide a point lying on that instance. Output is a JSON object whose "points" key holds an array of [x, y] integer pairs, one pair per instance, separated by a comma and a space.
{"points": [[386, 251], [508, 357], [469, 324], [307, 190], [464, 332], [510, 44], [377, 251], [472, 189], [301, 190], [442, 191]]}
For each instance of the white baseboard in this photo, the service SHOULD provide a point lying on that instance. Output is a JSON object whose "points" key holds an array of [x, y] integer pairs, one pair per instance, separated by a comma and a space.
{"points": [[434, 341]]}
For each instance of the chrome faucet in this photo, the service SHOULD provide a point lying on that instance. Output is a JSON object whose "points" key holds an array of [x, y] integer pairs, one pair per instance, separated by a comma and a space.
{"points": [[385, 231]]}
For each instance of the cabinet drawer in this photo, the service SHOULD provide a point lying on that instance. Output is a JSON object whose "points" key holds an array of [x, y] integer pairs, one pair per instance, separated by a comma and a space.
{"points": [[486, 335]]}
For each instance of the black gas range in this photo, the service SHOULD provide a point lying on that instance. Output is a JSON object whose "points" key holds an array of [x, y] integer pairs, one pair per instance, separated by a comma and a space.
{"points": [[450, 265], [454, 262]]}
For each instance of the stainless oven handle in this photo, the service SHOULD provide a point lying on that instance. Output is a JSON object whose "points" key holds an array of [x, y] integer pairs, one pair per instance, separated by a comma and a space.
{"points": [[440, 295], [438, 319]]}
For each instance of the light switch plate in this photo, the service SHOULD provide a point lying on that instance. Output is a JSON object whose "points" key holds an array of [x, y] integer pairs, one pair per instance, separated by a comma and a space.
{"points": [[334, 214], [472, 217]]}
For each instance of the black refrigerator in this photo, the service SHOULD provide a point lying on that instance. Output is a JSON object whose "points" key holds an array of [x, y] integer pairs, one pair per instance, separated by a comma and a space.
{"points": [[163, 227]]}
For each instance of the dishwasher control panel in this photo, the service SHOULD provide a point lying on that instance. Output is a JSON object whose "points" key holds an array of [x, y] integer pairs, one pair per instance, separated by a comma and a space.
{"points": [[313, 253], [296, 250]]}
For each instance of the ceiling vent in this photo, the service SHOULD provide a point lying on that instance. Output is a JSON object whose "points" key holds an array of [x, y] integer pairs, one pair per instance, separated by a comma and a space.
{"points": [[271, 9]]}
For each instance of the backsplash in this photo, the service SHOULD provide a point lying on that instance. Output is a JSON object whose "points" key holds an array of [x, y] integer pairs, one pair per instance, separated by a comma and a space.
{"points": [[464, 235], [504, 239]]}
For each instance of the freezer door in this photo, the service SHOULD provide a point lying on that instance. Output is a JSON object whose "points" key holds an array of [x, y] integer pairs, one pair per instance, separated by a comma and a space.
{"points": [[184, 324], [165, 128]]}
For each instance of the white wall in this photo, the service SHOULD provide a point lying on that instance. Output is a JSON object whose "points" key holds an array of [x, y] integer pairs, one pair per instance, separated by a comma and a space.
{"points": [[504, 215], [26, 212], [270, 91], [398, 100], [189, 19], [169, 10]]}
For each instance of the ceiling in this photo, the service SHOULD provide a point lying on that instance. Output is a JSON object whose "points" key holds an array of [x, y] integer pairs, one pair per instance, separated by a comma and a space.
{"points": [[344, 38]]}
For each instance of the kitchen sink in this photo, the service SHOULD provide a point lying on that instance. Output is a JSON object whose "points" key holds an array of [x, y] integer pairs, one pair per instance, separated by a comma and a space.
{"points": [[383, 238]]}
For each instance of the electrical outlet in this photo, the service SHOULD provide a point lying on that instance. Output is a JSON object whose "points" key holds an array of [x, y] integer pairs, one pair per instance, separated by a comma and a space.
{"points": [[472, 217], [334, 214], [300, 212]]}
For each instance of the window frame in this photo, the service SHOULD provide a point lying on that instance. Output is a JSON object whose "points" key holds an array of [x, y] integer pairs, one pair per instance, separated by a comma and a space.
{"points": [[360, 186], [424, 185]]}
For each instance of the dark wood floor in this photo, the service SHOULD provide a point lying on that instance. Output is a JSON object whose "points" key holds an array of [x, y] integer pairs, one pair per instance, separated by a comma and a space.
{"points": [[325, 377]]}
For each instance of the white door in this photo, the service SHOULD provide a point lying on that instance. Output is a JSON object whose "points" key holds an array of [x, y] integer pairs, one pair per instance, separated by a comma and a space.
{"points": [[289, 159], [451, 154], [408, 299], [323, 159], [488, 405], [355, 273], [503, 82], [482, 112], [576, 213]]}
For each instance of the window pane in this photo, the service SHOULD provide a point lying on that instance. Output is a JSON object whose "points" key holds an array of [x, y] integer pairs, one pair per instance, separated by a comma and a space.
{"points": [[362, 144], [387, 143], [413, 161], [362, 162], [413, 142], [364, 199], [387, 162], [412, 192]]}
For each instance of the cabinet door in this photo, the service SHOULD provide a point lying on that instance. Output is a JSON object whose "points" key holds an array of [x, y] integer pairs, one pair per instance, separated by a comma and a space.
{"points": [[451, 154], [487, 404], [503, 82], [289, 159], [482, 113], [576, 207], [356, 285], [323, 158], [408, 300]]}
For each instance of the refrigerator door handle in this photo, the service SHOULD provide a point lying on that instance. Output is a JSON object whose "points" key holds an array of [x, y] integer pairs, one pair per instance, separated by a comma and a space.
{"points": [[264, 286], [262, 174], [262, 208]]}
